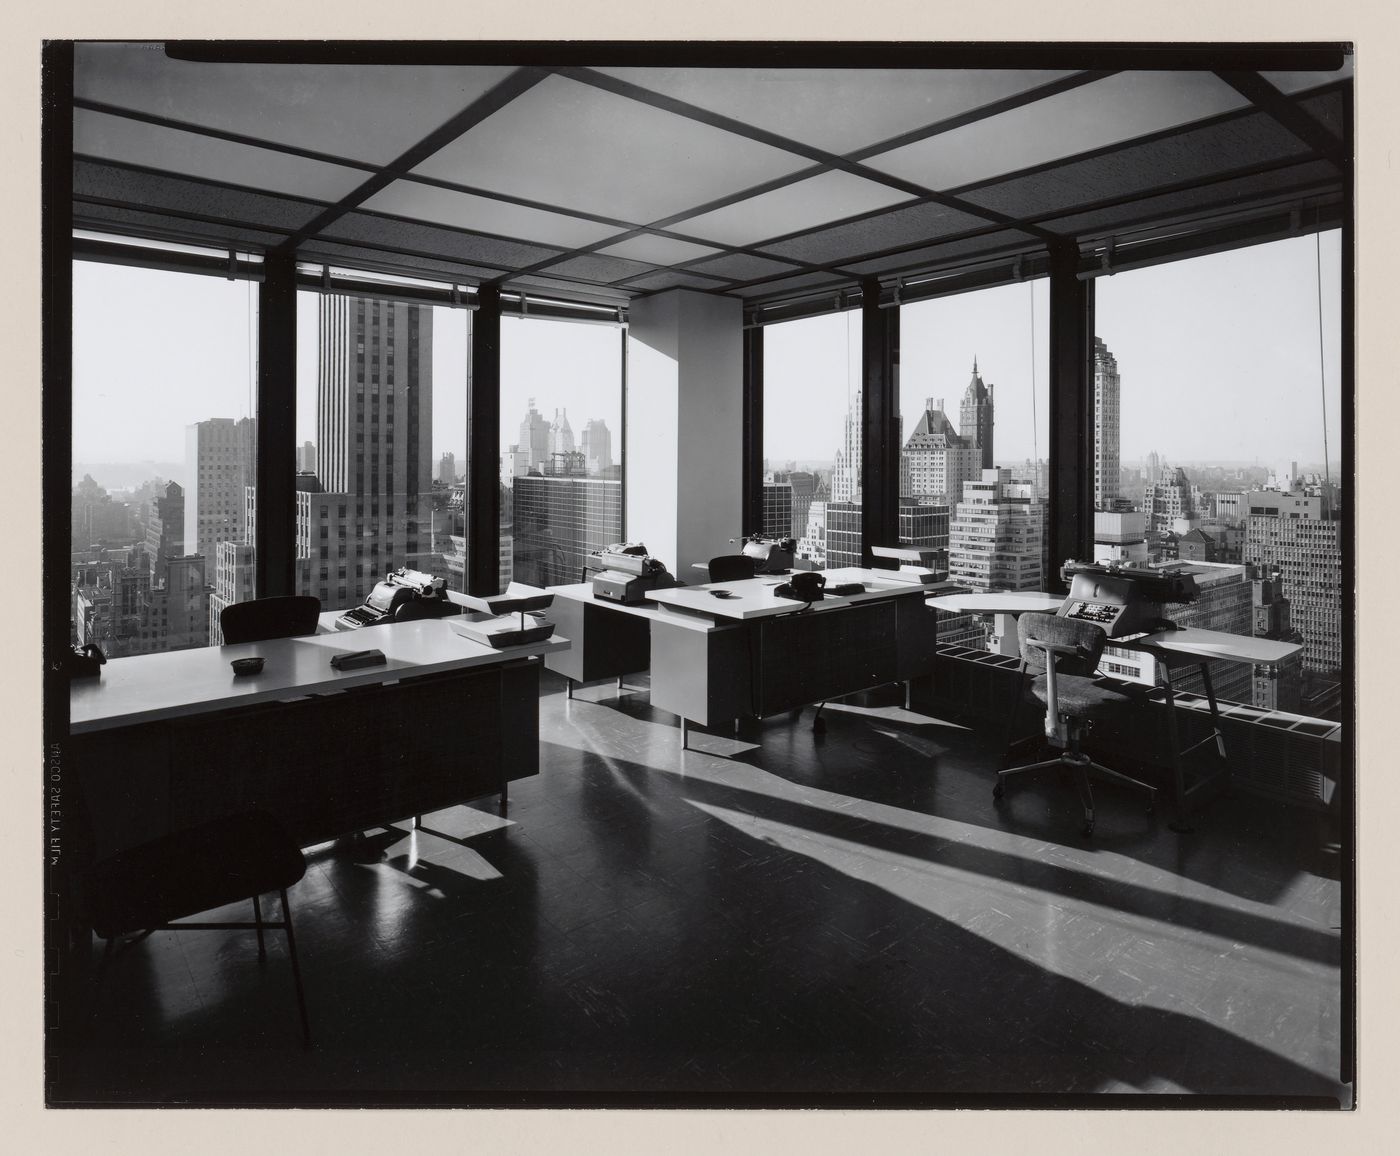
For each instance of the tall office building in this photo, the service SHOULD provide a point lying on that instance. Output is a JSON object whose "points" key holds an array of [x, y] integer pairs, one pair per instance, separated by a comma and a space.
{"points": [[1289, 533], [1106, 461], [233, 582], [975, 419], [447, 468], [1120, 536], [596, 444], [1153, 470], [803, 486], [557, 521], [845, 473], [811, 543], [165, 531], [936, 460], [996, 533], [374, 414], [777, 510], [220, 460], [534, 437], [561, 434], [306, 458], [843, 534], [1171, 499]]}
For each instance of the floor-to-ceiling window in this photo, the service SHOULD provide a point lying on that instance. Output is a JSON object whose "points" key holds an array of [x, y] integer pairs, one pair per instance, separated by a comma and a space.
{"points": [[974, 397], [561, 447], [381, 443], [1218, 382], [812, 437], [164, 455]]}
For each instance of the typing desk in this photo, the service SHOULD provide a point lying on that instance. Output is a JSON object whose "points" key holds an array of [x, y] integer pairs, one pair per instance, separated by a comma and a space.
{"points": [[167, 741]]}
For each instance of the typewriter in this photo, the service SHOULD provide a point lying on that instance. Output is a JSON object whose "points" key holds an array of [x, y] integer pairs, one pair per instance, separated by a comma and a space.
{"points": [[404, 594], [770, 555], [629, 577]]}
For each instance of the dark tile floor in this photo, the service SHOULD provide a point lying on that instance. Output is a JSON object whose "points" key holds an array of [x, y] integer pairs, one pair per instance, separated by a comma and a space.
{"points": [[771, 918]]}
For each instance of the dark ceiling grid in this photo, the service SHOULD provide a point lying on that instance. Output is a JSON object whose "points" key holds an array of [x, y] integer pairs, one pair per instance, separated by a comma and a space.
{"points": [[477, 111]]}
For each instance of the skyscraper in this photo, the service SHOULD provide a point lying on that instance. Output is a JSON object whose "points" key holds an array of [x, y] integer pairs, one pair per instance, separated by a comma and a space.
{"points": [[1106, 458], [557, 521], [165, 532], [975, 420], [220, 460], [995, 535], [561, 434], [534, 437], [936, 460], [845, 473], [596, 444], [447, 468]]}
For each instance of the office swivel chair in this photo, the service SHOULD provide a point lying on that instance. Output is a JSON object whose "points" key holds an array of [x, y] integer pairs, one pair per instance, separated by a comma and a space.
{"points": [[285, 616], [1062, 654], [148, 887], [731, 567]]}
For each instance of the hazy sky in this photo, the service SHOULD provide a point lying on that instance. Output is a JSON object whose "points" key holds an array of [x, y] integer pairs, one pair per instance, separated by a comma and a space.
{"points": [[1218, 357]]}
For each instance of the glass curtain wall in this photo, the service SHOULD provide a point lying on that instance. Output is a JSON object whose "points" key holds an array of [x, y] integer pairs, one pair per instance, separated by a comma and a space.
{"points": [[381, 443], [974, 398], [812, 438], [561, 447], [1224, 375], [164, 455]]}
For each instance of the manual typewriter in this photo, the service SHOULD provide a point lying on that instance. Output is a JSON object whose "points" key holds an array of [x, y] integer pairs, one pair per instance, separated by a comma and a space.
{"points": [[629, 577], [403, 594], [770, 555]]}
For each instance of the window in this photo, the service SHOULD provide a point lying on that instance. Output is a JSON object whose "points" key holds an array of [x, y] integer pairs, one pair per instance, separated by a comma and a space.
{"points": [[561, 447], [974, 396], [358, 468], [812, 437], [164, 450], [1226, 369]]}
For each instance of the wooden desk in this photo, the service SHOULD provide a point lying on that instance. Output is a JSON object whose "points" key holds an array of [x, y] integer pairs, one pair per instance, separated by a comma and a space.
{"points": [[166, 741]]}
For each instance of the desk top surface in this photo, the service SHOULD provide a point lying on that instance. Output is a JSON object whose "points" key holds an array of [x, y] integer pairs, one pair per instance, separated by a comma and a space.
{"points": [[1194, 644], [151, 687], [754, 597], [999, 602], [583, 592]]}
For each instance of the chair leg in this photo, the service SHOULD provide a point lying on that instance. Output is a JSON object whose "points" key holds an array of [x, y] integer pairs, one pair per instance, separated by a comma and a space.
{"points": [[1118, 777], [258, 919], [1086, 796], [296, 967]]}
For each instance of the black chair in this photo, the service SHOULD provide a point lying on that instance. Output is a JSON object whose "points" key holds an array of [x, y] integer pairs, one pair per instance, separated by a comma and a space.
{"points": [[731, 567], [148, 887], [285, 616], [1063, 654]]}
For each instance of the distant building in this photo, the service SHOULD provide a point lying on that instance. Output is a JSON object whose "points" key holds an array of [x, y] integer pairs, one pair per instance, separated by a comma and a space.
{"points": [[936, 460], [1120, 536], [561, 434], [233, 582], [843, 534], [1106, 427], [975, 419], [1196, 546], [557, 521], [1171, 498], [306, 458], [165, 531], [447, 469], [811, 543], [596, 444], [845, 472], [1277, 685], [514, 462], [1287, 532], [996, 534], [534, 437], [777, 510], [220, 461]]}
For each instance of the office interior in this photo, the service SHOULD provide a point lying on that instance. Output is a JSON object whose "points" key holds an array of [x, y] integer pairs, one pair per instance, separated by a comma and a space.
{"points": [[748, 906]]}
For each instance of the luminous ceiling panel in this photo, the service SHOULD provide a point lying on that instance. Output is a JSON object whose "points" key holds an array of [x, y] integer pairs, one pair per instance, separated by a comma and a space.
{"points": [[802, 205], [658, 250], [367, 113], [1302, 81], [1109, 111], [743, 267], [486, 215], [839, 110], [389, 233], [909, 226], [579, 147], [191, 154], [1007, 241]]}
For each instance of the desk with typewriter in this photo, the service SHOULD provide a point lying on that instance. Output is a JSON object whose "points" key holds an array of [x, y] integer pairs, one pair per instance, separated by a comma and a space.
{"points": [[166, 741]]}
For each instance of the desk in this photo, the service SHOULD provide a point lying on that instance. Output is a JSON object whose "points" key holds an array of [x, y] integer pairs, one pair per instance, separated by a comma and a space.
{"points": [[166, 741], [756, 654], [609, 639], [1005, 606]]}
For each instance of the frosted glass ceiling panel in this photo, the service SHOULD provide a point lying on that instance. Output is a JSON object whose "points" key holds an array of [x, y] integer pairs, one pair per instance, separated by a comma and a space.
{"points": [[659, 250], [803, 205], [367, 112], [191, 154], [579, 147], [1109, 111], [486, 215], [839, 110]]}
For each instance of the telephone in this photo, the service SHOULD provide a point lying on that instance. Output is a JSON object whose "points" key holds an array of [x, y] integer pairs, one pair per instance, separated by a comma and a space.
{"points": [[83, 661], [806, 586]]}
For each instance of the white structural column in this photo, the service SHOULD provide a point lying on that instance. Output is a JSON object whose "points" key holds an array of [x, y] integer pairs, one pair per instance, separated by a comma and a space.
{"points": [[685, 426]]}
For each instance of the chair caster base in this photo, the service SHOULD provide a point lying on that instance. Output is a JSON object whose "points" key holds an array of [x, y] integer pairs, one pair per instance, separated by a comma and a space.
{"points": [[998, 792], [1088, 829]]}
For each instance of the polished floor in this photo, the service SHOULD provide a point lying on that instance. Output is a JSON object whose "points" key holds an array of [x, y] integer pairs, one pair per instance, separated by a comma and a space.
{"points": [[772, 918]]}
